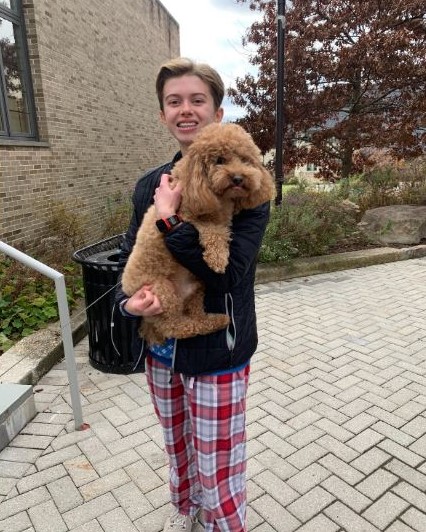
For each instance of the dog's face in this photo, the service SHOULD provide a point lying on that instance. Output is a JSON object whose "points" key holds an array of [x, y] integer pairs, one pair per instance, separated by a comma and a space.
{"points": [[232, 169], [223, 164]]}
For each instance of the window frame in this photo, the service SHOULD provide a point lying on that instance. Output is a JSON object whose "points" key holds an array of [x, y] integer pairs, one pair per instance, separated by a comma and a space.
{"points": [[311, 167], [16, 17]]}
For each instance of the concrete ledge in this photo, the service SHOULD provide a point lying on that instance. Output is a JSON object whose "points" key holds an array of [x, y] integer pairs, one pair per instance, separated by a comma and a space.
{"points": [[32, 357], [17, 408], [330, 263]]}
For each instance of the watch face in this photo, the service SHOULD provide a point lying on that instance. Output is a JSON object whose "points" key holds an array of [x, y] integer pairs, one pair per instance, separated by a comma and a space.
{"points": [[166, 224], [173, 220]]}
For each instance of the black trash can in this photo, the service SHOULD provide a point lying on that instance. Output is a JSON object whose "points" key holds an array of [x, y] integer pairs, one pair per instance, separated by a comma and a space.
{"points": [[111, 336]]}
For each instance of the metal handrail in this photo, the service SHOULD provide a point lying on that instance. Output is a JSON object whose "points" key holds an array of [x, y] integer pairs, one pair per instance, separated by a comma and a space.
{"points": [[64, 317]]}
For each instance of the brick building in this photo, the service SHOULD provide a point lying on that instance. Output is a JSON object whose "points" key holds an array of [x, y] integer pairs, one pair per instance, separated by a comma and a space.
{"points": [[78, 112]]}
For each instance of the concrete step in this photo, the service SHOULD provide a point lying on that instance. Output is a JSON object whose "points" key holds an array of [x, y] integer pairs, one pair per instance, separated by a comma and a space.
{"points": [[17, 408]]}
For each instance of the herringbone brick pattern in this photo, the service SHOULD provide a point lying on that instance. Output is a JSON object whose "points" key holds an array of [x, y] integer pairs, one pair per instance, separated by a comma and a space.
{"points": [[336, 422]]}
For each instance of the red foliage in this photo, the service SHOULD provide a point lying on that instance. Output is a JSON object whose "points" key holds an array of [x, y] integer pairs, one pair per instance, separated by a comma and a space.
{"points": [[355, 78]]}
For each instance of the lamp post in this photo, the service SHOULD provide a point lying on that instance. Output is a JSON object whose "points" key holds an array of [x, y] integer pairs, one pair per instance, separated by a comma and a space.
{"points": [[279, 131]]}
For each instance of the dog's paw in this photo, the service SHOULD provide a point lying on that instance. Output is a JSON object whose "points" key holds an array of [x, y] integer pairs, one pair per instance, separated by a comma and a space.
{"points": [[216, 261]]}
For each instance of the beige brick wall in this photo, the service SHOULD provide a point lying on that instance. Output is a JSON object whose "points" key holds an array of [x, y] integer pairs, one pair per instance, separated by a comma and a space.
{"points": [[93, 67]]}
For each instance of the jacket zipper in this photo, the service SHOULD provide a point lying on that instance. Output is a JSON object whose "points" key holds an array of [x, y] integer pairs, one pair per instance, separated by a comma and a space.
{"points": [[172, 368], [231, 338]]}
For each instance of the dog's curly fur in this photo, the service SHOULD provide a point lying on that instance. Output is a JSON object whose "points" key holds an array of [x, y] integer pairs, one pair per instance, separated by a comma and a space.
{"points": [[221, 174]]}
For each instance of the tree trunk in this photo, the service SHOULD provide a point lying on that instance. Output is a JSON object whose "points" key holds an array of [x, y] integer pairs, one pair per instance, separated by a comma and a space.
{"points": [[346, 161]]}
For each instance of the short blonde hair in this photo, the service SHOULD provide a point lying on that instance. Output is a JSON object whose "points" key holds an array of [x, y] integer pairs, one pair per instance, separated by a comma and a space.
{"points": [[182, 66]]}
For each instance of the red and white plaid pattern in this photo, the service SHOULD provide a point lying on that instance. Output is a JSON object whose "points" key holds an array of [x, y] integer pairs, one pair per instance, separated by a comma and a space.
{"points": [[203, 420]]}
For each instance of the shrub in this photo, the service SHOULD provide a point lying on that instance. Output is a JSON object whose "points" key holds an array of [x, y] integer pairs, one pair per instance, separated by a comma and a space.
{"points": [[28, 300], [386, 185], [274, 247], [307, 224], [67, 224], [117, 214]]}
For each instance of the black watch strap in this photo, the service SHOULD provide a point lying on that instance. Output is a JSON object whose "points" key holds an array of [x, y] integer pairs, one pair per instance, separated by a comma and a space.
{"points": [[164, 225]]}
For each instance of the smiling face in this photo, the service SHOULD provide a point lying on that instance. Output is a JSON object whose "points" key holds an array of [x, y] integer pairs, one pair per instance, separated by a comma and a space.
{"points": [[188, 107]]}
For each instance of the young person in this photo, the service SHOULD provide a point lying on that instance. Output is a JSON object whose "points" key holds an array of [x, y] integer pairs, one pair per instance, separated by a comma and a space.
{"points": [[201, 404]]}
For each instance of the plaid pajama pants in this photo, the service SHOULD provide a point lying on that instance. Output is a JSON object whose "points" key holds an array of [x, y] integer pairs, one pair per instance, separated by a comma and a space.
{"points": [[203, 421]]}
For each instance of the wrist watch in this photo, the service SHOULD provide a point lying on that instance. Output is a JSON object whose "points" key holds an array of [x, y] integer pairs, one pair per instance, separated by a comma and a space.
{"points": [[164, 225]]}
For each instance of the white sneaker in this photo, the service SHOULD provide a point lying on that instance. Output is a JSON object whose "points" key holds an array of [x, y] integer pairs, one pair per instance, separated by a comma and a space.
{"points": [[177, 521]]}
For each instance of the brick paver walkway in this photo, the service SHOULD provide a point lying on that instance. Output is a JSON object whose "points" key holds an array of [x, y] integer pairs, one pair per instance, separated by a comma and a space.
{"points": [[336, 422]]}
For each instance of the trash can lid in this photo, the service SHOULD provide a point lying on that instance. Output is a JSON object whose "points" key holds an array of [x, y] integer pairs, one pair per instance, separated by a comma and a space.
{"points": [[105, 252]]}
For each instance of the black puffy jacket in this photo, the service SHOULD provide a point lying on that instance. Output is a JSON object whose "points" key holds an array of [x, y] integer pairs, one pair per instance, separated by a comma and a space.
{"points": [[231, 292]]}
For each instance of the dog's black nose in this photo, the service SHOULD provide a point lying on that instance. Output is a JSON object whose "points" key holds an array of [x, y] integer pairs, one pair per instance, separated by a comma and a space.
{"points": [[237, 180]]}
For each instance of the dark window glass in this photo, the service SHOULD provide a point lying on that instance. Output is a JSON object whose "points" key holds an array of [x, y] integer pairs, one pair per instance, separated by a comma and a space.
{"points": [[16, 98], [16, 109], [10, 4]]}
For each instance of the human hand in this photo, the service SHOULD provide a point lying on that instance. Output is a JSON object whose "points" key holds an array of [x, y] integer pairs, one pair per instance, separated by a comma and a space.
{"points": [[143, 303], [167, 199]]}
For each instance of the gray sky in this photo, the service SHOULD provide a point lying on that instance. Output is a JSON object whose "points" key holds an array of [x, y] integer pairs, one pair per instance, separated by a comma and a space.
{"points": [[211, 31]]}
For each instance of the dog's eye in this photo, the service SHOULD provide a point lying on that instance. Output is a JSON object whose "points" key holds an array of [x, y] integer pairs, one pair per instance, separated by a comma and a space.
{"points": [[220, 160]]}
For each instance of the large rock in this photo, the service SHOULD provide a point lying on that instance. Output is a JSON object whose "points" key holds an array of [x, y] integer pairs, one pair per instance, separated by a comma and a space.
{"points": [[395, 224]]}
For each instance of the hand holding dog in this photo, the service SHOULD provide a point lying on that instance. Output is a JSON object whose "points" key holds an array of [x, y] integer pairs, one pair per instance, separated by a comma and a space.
{"points": [[167, 199], [143, 303]]}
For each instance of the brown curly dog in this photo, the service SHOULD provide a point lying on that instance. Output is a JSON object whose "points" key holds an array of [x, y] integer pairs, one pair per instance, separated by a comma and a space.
{"points": [[221, 174]]}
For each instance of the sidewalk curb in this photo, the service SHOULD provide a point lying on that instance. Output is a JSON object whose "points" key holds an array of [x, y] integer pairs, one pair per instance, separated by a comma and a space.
{"points": [[31, 358], [266, 273]]}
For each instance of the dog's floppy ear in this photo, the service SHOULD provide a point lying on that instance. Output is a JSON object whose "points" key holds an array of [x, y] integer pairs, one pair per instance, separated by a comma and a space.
{"points": [[265, 192], [197, 199]]}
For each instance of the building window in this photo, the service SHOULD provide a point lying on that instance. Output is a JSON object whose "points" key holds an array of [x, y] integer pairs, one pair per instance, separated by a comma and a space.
{"points": [[17, 117], [311, 167]]}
